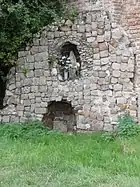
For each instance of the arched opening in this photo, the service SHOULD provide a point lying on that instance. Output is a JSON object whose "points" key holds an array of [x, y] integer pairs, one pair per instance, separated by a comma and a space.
{"points": [[69, 62], [60, 116]]}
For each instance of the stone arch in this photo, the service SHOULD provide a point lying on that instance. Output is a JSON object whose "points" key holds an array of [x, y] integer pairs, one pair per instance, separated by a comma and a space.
{"points": [[60, 116], [62, 43], [69, 61]]}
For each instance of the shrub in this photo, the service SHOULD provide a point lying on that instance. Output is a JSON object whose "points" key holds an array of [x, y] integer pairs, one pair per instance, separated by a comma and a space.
{"points": [[126, 127], [23, 131]]}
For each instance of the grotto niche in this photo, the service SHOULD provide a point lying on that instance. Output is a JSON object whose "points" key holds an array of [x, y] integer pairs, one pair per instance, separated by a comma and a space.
{"points": [[69, 63], [60, 116]]}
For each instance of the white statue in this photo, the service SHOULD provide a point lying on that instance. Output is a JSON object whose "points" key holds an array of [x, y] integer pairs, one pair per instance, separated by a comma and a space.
{"points": [[69, 66], [73, 68]]}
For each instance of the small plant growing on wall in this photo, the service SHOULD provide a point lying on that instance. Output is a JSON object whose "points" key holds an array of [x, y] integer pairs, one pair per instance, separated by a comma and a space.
{"points": [[51, 60], [71, 13], [25, 70]]}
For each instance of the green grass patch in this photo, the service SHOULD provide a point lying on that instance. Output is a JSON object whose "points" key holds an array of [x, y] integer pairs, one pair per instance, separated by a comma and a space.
{"points": [[31, 155]]}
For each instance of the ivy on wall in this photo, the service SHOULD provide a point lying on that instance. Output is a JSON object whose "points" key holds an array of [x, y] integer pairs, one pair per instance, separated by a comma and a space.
{"points": [[20, 19]]}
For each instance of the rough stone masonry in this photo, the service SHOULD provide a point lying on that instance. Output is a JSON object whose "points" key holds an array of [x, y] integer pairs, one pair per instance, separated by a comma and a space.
{"points": [[92, 63]]}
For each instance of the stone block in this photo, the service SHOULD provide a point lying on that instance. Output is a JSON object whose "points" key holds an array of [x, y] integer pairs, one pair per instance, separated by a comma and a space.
{"points": [[125, 59], [104, 61], [26, 102], [22, 119], [93, 87], [60, 126], [114, 80], [38, 94], [88, 28], [38, 73], [94, 33], [90, 39], [103, 46], [107, 36], [105, 68], [34, 89], [38, 99], [81, 28], [99, 117], [20, 113], [100, 31], [94, 26], [130, 75], [31, 96], [115, 66], [6, 119], [89, 19], [117, 34], [38, 57], [100, 38], [30, 74], [94, 93], [20, 107], [113, 58], [117, 87], [133, 113], [121, 100], [8, 93], [97, 125], [26, 90], [107, 27], [83, 126], [12, 87], [116, 73], [43, 49], [21, 54], [102, 74], [108, 127], [94, 16], [30, 58], [102, 81], [27, 82], [32, 101], [105, 87], [100, 25], [40, 110], [96, 50], [43, 89], [95, 44], [14, 119], [34, 50], [97, 62], [128, 87], [42, 80], [43, 41], [118, 93]]}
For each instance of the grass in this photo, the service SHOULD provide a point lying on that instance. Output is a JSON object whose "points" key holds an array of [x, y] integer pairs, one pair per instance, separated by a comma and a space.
{"points": [[40, 158]]}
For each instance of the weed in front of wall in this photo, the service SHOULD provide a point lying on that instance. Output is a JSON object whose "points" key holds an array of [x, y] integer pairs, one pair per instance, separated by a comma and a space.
{"points": [[126, 128]]}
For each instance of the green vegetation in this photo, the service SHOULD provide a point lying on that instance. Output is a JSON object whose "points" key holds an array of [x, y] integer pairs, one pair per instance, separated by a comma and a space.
{"points": [[31, 155], [20, 19], [126, 128]]}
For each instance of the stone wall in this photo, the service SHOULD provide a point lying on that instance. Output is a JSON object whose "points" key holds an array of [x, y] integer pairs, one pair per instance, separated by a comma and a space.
{"points": [[128, 12], [106, 86]]}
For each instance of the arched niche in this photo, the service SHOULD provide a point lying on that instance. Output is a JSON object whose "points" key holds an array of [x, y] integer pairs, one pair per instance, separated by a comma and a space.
{"points": [[69, 62], [60, 116]]}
